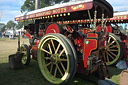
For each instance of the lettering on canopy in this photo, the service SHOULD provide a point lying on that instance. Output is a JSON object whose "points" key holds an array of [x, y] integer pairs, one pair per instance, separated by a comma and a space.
{"points": [[66, 9]]}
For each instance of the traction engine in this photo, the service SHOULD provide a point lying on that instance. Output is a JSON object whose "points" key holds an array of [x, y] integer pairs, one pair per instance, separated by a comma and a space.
{"points": [[62, 49]]}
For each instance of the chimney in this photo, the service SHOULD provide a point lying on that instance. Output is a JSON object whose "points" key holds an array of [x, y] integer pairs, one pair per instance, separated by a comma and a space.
{"points": [[37, 4]]}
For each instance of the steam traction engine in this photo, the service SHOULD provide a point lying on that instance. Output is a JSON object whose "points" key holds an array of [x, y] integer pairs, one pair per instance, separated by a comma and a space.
{"points": [[57, 43]]}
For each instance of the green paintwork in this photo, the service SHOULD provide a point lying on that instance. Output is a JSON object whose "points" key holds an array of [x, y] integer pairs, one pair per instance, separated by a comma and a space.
{"points": [[53, 58]]}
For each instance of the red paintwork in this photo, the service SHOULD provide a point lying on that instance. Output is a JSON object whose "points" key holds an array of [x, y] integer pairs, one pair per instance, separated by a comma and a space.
{"points": [[52, 28], [88, 48], [34, 49], [79, 41], [86, 30], [28, 35], [92, 35], [108, 27], [40, 33], [36, 41]]}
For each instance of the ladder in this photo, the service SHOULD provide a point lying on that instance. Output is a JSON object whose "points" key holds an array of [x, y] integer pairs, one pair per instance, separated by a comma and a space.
{"points": [[103, 69]]}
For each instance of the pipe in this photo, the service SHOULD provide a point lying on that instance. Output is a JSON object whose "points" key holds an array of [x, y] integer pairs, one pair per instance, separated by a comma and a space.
{"points": [[37, 4]]}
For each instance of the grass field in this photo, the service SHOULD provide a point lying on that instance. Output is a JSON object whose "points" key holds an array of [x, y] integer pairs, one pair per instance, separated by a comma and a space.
{"points": [[30, 75]]}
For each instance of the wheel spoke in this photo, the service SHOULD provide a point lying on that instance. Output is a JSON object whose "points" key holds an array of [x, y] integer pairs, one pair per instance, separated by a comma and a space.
{"points": [[113, 50], [62, 59], [47, 58], [47, 65], [110, 55], [62, 66], [53, 45], [104, 56], [113, 53], [59, 70], [50, 48], [51, 68], [61, 52], [114, 46], [55, 71], [107, 59], [109, 39], [111, 43], [46, 51], [57, 48]]}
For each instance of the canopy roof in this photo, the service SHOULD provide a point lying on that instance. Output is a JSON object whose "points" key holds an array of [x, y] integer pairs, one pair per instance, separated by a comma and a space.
{"points": [[119, 17], [64, 9]]}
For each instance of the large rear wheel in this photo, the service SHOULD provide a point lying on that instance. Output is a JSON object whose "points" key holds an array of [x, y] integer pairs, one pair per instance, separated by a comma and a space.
{"points": [[113, 50], [55, 59]]}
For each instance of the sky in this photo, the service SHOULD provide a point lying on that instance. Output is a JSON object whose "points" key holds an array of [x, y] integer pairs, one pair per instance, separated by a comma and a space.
{"points": [[11, 8]]}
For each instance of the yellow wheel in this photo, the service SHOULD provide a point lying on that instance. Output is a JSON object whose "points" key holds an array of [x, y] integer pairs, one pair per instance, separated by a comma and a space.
{"points": [[113, 50], [26, 56], [56, 59]]}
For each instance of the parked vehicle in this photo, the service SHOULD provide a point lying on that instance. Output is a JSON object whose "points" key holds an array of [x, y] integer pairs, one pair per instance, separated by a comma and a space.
{"points": [[57, 43]]}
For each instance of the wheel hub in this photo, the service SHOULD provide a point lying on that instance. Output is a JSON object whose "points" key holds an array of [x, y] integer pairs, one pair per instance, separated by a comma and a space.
{"points": [[54, 58], [107, 49]]}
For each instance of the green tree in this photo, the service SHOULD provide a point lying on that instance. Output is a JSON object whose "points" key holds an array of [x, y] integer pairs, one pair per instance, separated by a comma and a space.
{"points": [[3, 28], [29, 5], [19, 25], [10, 24]]}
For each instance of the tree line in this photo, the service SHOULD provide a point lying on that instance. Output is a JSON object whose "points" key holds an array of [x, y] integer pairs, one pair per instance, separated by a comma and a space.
{"points": [[29, 5]]}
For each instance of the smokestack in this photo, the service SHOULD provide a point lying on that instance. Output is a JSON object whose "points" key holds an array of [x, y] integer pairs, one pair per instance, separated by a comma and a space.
{"points": [[37, 4]]}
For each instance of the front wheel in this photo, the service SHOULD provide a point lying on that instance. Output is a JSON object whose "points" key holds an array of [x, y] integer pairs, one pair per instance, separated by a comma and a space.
{"points": [[26, 56], [55, 59]]}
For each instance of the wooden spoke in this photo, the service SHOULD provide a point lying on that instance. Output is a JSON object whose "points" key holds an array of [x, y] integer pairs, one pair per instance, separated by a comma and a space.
{"points": [[62, 59], [109, 39], [62, 66], [57, 48], [107, 59], [110, 55], [47, 58], [51, 68], [46, 51], [114, 46], [50, 48], [113, 53], [59, 69], [61, 52], [113, 50], [47, 65], [104, 56], [111, 43], [53, 45], [55, 71]]}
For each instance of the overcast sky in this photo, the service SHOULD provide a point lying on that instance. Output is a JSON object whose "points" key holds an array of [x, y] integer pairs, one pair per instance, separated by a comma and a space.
{"points": [[11, 8]]}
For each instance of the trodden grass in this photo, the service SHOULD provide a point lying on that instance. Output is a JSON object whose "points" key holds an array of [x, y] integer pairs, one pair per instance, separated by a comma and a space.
{"points": [[31, 75]]}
